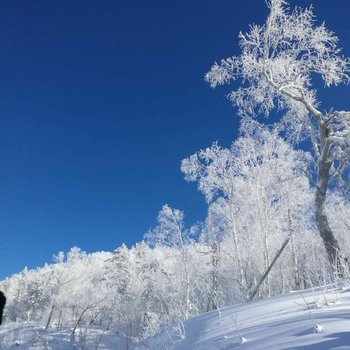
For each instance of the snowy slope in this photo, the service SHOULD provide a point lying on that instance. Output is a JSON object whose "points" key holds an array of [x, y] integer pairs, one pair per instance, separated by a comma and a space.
{"points": [[30, 336], [283, 322]]}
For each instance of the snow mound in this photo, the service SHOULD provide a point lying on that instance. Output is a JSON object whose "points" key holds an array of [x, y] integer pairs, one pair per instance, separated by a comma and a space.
{"points": [[313, 320], [30, 336]]}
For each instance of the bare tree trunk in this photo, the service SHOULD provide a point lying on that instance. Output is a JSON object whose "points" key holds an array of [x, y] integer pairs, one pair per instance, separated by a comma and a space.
{"points": [[264, 227], [238, 255], [266, 262], [326, 233], [80, 317], [257, 288], [330, 242], [237, 251], [50, 317], [295, 259], [265, 275], [188, 283], [213, 304]]}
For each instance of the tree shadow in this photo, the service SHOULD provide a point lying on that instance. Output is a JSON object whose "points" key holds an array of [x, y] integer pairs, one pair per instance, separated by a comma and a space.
{"points": [[341, 339]]}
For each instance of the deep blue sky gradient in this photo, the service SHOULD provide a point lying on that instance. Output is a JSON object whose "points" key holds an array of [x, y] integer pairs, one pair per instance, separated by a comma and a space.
{"points": [[99, 102]]}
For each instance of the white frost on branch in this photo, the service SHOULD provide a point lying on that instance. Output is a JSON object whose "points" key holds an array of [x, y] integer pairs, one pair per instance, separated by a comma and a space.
{"points": [[277, 61], [275, 69]]}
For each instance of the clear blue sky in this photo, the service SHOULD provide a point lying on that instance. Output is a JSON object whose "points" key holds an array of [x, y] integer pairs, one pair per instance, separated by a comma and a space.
{"points": [[99, 102]]}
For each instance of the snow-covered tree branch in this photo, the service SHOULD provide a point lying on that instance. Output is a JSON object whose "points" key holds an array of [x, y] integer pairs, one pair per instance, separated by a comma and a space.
{"points": [[278, 62]]}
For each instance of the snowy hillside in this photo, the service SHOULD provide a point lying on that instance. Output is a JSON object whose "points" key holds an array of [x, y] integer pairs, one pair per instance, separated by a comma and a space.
{"points": [[31, 336], [316, 320], [300, 320]]}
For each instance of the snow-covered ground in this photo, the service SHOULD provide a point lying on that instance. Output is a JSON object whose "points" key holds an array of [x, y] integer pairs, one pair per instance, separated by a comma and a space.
{"points": [[283, 322], [313, 319], [30, 336]]}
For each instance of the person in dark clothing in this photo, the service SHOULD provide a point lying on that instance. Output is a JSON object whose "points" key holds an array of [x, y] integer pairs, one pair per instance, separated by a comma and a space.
{"points": [[2, 304]]}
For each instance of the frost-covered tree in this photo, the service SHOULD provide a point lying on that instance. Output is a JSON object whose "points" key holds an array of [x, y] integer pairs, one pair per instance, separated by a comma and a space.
{"points": [[211, 239], [274, 176], [171, 232], [257, 190], [213, 170], [278, 62]]}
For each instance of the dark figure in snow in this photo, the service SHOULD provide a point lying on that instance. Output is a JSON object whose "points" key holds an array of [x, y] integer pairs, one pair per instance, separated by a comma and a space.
{"points": [[2, 304]]}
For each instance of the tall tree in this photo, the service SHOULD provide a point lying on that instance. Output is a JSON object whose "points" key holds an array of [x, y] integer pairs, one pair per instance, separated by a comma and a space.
{"points": [[251, 188], [170, 232], [276, 66]]}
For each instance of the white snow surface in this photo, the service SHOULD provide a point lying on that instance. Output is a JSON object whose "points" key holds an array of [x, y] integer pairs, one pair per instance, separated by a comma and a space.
{"points": [[283, 322], [313, 319]]}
